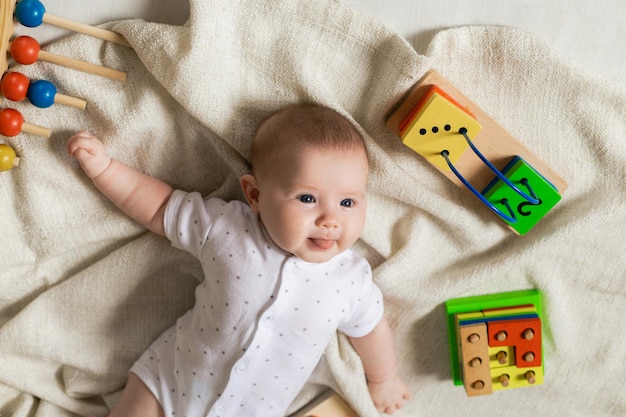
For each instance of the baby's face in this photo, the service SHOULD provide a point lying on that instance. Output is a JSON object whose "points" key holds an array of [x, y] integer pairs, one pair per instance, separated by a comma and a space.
{"points": [[313, 202]]}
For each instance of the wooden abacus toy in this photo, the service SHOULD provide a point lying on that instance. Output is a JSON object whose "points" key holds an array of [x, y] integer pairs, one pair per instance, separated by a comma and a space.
{"points": [[26, 50]]}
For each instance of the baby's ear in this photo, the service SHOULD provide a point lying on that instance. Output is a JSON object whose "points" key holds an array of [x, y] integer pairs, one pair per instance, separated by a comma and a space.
{"points": [[250, 188]]}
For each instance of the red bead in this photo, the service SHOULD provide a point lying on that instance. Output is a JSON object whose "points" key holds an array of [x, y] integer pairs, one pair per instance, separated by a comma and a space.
{"points": [[14, 86], [10, 122], [25, 50]]}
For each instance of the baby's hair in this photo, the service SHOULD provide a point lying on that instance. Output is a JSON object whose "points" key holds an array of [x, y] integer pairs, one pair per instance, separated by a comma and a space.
{"points": [[301, 126]]}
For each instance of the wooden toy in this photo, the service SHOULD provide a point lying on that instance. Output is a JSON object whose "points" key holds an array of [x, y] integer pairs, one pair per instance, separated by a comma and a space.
{"points": [[329, 404], [8, 158], [16, 86], [26, 50], [454, 135], [495, 341], [12, 123]]}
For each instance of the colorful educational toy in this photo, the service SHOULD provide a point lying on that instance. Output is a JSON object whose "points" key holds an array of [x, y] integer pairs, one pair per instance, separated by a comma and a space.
{"points": [[26, 50], [435, 120], [495, 341]]}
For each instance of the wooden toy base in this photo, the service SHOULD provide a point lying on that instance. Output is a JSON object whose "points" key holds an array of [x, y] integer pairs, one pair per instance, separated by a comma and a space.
{"points": [[329, 404], [7, 23]]}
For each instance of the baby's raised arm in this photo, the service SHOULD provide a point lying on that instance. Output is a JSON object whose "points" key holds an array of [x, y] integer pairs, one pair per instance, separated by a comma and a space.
{"points": [[142, 197]]}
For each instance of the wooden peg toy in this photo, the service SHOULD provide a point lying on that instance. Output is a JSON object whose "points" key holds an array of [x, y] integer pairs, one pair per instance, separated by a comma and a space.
{"points": [[8, 158], [16, 86], [492, 362], [26, 50], [32, 13], [12, 123]]}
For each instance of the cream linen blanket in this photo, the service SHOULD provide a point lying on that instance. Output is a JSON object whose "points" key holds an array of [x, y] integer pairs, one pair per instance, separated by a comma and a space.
{"points": [[84, 290]]}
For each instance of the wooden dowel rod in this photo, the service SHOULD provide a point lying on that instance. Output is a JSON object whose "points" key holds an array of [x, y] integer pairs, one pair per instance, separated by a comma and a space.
{"points": [[70, 101], [83, 28], [36, 130], [82, 66]]}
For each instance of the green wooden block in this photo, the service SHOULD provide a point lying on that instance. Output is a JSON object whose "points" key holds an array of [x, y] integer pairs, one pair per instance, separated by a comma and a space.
{"points": [[478, 303], [527, 214]]}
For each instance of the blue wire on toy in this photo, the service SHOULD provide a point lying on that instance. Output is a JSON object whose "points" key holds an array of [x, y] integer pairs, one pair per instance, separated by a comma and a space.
{"points": [[512, 218], [532, 200]]}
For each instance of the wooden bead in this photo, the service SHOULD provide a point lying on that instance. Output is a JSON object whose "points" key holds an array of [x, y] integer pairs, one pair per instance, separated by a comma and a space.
{"points": [[14, 86], [25, 50], [30, 12], [10, 122]]}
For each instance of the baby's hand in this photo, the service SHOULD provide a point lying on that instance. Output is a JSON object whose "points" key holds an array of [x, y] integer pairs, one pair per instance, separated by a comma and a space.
{"points": [[89, 152], [389, 396]]}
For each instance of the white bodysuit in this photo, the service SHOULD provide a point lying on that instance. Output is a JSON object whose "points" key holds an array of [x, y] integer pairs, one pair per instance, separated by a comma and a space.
{"points": [[262, 317]]}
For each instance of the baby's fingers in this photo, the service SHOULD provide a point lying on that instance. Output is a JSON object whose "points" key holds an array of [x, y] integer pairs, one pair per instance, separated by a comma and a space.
{"points": [[89, 152], [84, 140]]}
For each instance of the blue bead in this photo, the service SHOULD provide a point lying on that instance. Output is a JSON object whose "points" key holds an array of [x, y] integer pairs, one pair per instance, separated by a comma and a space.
{"points": [[30, 12], [41, 93]]}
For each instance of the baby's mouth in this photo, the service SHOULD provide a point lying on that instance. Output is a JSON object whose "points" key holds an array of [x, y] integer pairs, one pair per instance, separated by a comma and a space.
{"points": [[322, 243]]}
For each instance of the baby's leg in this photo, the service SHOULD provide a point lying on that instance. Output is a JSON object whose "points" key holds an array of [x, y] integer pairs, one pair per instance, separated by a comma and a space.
{"points": [[136, 400]]}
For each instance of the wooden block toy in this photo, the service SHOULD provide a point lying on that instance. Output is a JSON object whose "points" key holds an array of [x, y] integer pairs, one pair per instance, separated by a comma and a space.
{"points": [[460, 140], [526, 213], [329, 404], [437, 120], [527, 350], [504, 332]]}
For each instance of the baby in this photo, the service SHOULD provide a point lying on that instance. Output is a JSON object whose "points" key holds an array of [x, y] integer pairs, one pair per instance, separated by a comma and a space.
{"points": [[280, 277]]}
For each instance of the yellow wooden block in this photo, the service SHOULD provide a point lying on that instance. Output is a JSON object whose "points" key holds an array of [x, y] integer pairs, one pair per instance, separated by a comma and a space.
{"points": [[516, 377], [468, 316], [436, 128], [509, 311]]}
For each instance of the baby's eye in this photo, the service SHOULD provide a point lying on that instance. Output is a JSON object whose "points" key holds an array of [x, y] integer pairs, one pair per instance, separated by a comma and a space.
{"points": [[347, 202], [307, 198]]}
